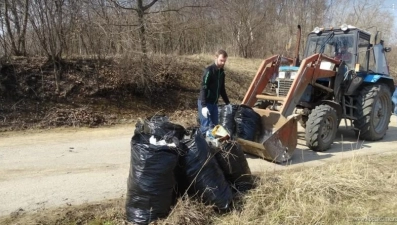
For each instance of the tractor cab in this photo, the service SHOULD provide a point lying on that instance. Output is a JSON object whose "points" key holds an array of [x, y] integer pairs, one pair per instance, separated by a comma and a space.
{"points": [[347, 44], [351, 45], [337, 44]]}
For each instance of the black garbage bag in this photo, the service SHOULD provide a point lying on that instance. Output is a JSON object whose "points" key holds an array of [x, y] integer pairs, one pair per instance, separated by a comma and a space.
{"points": [[202, 174], [248, 123], [234, 165], [169, 130], [220, 107], [182, 183], [151, 182], [226, 118], [160, 127]]}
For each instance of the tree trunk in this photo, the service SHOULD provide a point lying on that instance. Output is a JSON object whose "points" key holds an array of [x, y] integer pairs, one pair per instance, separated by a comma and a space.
{"points": [[22, 39], [9, 30], [142, 37]]}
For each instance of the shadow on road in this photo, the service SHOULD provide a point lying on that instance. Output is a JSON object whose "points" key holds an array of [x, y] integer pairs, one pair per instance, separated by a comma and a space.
{"points": [[346, 142]]}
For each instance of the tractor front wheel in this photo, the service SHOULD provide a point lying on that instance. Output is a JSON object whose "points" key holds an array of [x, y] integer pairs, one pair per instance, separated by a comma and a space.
{"points": [[321, 128], [373, 111]]}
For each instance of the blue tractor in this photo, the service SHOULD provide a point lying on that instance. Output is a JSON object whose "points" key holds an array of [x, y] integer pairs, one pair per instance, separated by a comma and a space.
{"points": [[343, 76]]}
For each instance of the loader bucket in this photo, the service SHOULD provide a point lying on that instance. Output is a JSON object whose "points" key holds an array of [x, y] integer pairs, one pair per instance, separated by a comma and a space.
{"points": [[278, 137]]}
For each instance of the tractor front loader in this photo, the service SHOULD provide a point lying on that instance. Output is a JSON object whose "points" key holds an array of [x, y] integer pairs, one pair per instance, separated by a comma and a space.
{"points": [[279, 128], [319, 91]]}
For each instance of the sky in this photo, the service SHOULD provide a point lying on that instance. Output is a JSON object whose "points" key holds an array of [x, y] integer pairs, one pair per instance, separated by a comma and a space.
{"points": [[391, 5]]}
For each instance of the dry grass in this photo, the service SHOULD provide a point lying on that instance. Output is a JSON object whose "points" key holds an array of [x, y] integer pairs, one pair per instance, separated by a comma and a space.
{"points": [[239, 73], [99, 213], [114, 87], [189, 212], [236, 64], [354, 191], [339, 193]]}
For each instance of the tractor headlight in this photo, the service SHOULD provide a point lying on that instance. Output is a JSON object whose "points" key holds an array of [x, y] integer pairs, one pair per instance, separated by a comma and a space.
{"points": [[344, 27], [317, 30]]}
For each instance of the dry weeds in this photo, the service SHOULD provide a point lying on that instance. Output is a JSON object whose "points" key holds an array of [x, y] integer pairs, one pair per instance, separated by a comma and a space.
{"points": [[112, 87], [339, 193]]}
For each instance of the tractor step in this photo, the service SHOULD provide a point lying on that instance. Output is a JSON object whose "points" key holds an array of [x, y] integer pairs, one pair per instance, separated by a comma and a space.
{"points": [[270, 97]]}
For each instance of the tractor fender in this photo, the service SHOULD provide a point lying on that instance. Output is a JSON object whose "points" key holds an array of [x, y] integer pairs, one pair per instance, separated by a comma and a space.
{"points": [[358, 82], [334, 105], [376, 78]]}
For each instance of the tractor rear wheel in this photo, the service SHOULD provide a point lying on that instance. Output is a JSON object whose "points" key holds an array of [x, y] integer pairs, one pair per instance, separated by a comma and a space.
{"points": [[321, 128], [373, 111]]}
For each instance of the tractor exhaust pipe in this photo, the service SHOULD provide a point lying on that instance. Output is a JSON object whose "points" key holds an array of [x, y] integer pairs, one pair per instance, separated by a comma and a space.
{"points": [[298, 42]]}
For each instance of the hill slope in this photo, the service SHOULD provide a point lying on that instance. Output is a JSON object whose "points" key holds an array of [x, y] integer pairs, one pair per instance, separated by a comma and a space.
{"points": [[108, 91]]}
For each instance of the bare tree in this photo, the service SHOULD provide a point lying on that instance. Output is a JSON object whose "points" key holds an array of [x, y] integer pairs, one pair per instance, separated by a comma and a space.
{"points": [[365, 14], [3, 30], [247, 28], [243, 19], [141, 10], [16, 19], [48, 22]]}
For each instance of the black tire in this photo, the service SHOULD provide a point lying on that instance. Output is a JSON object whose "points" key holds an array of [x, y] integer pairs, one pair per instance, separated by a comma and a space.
{"points": [[321, 128], [373, 111]]}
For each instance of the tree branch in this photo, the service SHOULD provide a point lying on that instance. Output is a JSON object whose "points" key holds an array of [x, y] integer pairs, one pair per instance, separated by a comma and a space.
{"points": [[120, 25], [116, 3], [179, 9], [149, 5]]}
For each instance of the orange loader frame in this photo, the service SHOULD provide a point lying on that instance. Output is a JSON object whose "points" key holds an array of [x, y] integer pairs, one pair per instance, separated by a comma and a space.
{"points": [[279, 128]]}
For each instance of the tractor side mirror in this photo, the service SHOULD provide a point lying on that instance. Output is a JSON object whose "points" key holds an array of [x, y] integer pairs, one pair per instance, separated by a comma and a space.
{"points": [[388, 49]]}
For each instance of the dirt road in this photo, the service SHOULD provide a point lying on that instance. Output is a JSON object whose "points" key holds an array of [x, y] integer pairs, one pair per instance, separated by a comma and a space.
{"points": [[44, 169]]}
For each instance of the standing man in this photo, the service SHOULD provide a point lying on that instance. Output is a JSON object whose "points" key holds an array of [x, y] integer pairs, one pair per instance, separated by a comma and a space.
{"points": [[212, 86]]}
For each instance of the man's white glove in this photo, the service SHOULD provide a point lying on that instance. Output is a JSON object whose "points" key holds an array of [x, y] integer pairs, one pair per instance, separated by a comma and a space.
{"points": [[205, 112]]}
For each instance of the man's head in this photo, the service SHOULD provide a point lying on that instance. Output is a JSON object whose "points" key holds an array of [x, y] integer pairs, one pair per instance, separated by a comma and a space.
{"points": [[220, 58]]}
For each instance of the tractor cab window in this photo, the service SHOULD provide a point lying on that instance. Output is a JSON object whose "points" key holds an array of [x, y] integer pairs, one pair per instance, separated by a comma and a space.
{"points": [[344, 48], [338, 46], [362, 55]]}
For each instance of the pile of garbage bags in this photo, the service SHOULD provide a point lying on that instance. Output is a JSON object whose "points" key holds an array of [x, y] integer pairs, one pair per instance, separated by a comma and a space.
{"points": [[167, 163]]}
